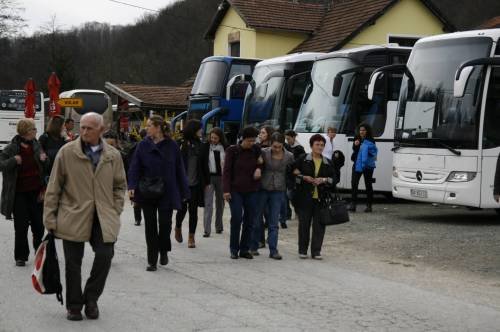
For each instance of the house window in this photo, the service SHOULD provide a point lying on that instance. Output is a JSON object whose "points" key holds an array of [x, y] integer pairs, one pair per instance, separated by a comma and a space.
{"points": [[234, 49], [233, 40], [406, 41]]}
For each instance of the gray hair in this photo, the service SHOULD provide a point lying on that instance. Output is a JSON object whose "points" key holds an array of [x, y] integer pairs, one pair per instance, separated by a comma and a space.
{"points": [[96, 117]]}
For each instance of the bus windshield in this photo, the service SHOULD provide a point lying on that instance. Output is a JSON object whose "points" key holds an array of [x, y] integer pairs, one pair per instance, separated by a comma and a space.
{"points": [[429, 114], [92, 102], [210, 78], [13, 100], [262, 104], [320, 109]]}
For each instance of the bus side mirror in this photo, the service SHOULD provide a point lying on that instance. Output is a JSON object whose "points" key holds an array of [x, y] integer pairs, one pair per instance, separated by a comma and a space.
{"points": [[236, 79], [373, 82], [460, 83], [465, 70], [337, 85]]}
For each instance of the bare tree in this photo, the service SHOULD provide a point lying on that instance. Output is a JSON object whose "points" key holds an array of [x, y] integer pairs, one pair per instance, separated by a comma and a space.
{"points": [[11, 21]]}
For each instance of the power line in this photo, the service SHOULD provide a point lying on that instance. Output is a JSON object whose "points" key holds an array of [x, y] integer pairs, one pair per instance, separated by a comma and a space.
{"points": [[176, 16], [135, 6]]}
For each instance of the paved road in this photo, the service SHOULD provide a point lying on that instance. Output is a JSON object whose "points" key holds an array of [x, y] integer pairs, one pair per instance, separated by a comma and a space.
{"points": [[203, 290]]}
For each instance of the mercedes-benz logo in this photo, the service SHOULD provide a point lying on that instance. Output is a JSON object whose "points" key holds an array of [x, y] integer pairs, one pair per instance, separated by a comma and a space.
{"points": [[419, 176]]}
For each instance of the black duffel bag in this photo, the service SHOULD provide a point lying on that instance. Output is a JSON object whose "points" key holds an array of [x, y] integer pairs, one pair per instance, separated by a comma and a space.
{"points": [[151, 187], [333, 210]]}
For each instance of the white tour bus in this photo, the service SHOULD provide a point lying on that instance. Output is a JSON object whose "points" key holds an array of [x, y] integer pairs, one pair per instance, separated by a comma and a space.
{"points": [[274, 95], [447, 129], [12, 109], [93, 101], [337, 97]]}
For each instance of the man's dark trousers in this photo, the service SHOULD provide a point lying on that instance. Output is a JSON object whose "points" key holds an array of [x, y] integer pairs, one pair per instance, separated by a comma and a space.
{"points": [[73, 254]]}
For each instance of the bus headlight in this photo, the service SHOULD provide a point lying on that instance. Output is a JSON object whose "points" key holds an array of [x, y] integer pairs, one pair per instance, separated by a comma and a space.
{"points": [[461, 176]]}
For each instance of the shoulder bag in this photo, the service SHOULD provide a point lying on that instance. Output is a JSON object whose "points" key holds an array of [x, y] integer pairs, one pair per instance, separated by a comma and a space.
{"points": [[333, 210]]}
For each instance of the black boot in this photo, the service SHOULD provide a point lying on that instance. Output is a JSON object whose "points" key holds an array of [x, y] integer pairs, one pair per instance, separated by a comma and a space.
{"points": [[368, 208]]}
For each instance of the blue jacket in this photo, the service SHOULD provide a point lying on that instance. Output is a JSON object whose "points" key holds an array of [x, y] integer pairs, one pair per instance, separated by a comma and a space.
{"points": [[367, 156], [163, 159]]}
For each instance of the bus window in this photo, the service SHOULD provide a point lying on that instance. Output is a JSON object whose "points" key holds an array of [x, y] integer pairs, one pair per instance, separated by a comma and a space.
{"points": [[240, 68], [491, 137], [295, 92], [239, 89], [372, 112], [92, 102]]}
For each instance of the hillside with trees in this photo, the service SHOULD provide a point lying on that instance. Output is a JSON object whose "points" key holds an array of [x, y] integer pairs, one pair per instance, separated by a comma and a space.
{"points": [[165, 48]]}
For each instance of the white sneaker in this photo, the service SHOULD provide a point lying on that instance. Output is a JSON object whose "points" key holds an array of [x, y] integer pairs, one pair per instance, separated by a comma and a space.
{"points": [[317, 257], [302, 256]]}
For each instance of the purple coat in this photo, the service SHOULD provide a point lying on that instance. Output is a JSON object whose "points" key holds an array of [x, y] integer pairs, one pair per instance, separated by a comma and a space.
{"points": [[163, 159]]}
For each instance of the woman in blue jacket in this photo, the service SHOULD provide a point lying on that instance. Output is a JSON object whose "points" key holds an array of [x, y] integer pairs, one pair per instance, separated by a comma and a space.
{"points": [[158, 156], [364, 166]]}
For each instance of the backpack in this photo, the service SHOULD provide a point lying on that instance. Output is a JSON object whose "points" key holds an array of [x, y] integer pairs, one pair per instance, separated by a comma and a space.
{"points": [[46, 276]]}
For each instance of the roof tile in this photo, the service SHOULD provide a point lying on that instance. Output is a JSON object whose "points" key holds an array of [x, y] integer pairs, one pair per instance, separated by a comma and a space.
{"points": [[167, 96], [341, 21]]}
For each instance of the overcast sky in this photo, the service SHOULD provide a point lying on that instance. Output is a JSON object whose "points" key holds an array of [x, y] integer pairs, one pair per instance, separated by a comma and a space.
{"points": [[75, 12]]}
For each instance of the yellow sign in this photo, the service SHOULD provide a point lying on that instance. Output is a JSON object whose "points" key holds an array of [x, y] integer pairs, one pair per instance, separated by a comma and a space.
{"points": [[71, 102]]}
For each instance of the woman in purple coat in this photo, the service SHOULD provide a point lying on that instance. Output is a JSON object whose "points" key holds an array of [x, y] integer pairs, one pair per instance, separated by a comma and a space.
{"points": [[158, 157]]}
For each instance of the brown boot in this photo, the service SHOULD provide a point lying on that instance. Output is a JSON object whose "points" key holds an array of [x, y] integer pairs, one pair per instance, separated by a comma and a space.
{"points": [[178, 234], [191, 243]]}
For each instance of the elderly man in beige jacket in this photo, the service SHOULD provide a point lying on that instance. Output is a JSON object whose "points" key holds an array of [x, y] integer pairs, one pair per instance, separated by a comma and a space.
{"points": [[83, 202]]}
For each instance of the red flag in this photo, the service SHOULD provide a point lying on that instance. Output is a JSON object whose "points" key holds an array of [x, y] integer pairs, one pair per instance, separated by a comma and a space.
{"points": [[54, 84], [29, 102]]}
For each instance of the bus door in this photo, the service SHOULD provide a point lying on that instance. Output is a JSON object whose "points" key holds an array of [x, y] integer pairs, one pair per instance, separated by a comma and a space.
{"points": [[490, 139]]}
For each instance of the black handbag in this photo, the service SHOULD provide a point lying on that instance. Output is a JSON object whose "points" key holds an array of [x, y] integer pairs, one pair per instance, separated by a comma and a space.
{"points": [[333, 210], [151, 187]]}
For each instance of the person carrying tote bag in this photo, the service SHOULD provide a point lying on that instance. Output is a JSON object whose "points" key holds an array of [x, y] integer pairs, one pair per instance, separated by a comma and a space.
{"points": [[315, 177]]}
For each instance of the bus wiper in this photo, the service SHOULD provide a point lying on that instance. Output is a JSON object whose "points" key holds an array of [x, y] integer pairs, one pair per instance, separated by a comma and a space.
{"points": [[443, 144], [401, 144], [199, 94]]}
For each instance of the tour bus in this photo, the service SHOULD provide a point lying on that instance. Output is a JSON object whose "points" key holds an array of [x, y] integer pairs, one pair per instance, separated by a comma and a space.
{"points": [[447, 129], [93, 101], [275, 93], [218, 92], [12, 110], [337, 98]]}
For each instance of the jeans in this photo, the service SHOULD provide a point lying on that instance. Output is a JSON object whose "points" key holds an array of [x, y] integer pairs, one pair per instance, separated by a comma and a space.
{"points": [[273, 201], [368, 177], [73, 255], [215, 187], [192, 207], [310, 215], [28, 211], [242, 207], [158, 226]]}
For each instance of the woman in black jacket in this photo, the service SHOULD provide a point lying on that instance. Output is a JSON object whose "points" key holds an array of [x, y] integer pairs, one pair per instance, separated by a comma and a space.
{"points": [[190, 147], [52, 140], [212, 163], [24, 166], [315, 177]]}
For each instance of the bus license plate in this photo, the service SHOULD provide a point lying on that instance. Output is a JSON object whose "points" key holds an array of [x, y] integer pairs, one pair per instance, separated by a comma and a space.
{"points": [[419, 193]]}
